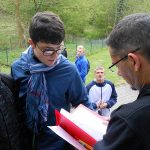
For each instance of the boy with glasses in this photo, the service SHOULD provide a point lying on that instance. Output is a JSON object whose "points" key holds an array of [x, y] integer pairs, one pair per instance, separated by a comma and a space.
{"points": [[48, 81]]}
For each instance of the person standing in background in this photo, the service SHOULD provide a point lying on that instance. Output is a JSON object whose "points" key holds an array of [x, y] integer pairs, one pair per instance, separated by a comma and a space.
{"points": [[102, 93], [81, 62], [64, 50]]}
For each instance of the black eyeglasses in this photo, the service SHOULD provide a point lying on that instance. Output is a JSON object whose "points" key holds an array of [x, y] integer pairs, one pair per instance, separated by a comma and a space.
{"points": [[50, 51], [125, 57]]}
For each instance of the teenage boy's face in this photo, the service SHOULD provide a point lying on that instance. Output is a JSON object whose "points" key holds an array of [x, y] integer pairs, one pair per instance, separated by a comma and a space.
{"points": [[47, 53]]}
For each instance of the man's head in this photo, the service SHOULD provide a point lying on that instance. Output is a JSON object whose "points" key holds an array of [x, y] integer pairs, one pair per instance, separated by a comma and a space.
{"points": [[46, 32], [129, 47], [80, 50], [99, 74]]}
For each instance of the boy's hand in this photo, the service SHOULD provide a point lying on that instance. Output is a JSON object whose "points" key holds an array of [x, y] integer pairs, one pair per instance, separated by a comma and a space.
{"points": [[103, 105]]}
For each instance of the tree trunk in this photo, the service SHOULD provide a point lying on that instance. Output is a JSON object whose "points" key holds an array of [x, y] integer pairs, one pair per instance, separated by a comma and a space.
{"points": [[21, 35]]}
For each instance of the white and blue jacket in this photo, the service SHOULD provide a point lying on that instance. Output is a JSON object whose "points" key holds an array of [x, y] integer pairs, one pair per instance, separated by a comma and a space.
{"points": [[104, 92]]}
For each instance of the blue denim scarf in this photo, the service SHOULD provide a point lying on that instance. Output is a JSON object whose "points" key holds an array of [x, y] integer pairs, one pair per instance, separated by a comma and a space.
{"points": [[37, 100]]}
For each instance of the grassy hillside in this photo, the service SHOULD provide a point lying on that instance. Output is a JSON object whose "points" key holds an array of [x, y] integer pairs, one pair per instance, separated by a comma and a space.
{"points": [[102, 58]]}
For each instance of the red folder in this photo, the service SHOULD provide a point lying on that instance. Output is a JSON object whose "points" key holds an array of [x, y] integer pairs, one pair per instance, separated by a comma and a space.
{"points": [[82, 128], [73, 129]]}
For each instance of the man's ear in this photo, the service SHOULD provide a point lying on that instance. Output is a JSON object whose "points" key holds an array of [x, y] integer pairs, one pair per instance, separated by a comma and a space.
{"points": [[135, 60], [31, 43]]}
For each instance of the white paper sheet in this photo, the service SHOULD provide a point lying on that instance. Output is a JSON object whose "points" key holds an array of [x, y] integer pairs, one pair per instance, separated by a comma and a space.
{"points": [[63, 134]]}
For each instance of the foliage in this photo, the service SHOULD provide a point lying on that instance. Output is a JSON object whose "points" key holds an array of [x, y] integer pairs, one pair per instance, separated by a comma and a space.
{"points": [[90, 19], [84, 18]]}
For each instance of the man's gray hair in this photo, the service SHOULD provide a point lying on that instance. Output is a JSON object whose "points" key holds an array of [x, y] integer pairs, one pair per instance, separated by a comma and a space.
{"points": [[132, 32]]}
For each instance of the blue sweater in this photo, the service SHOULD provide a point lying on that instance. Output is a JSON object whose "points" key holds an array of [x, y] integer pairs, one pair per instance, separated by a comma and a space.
{"points": [[82, 66], [65, 88]]}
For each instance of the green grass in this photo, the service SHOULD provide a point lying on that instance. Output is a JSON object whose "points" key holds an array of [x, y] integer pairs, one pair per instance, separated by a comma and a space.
{"points": [[102, 58], [97, 56], [8, 30], [8, 58]]}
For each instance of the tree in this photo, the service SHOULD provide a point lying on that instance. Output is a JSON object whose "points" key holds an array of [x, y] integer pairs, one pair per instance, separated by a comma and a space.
{"points": [[120, 10], [21, 35], [37, 4]]}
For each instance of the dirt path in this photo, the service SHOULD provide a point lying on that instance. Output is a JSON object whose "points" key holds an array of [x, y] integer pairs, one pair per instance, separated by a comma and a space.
{"points": [[125, 95]]}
